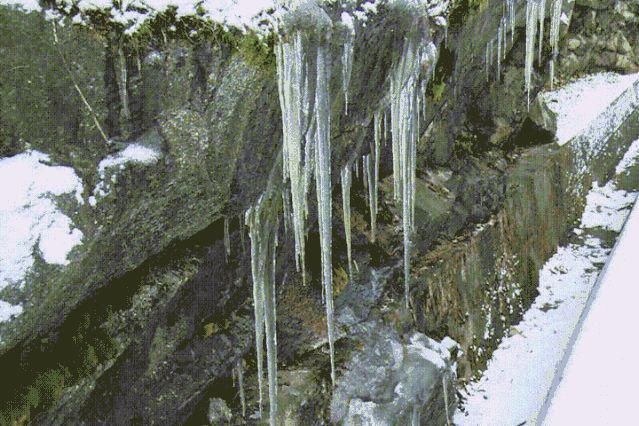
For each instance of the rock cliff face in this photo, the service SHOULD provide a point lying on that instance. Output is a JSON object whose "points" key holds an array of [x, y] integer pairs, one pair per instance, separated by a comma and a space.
{"points": [[154, 312]]}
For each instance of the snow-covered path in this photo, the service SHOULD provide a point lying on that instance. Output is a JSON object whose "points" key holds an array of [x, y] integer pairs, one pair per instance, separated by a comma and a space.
{"points": [[520, 374], [522, 370], [600, 376]]}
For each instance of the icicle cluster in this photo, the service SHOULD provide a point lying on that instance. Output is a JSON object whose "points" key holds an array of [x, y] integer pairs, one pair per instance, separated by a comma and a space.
{"points": [[404, 116], [263, 225], [294, 103], [307, 150]]}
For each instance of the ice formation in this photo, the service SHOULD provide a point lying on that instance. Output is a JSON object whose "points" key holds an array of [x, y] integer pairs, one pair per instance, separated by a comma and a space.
{"points": [[293, 98], [263, 226], [346, 207], [323, 183], [532, 15], [404, 105], [347, 56], [555, 23]]}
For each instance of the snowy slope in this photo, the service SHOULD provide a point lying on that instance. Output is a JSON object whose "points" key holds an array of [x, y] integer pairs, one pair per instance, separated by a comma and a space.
{"points": [[30, 218], [579, 103], [599, 381]]}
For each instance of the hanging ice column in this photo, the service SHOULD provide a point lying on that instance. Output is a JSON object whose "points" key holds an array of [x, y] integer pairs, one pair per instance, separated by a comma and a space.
{"points": [[404, 92], [263, 225], [346, 207], [555, 23], [347, 56], [532, 16], [323, 183]]}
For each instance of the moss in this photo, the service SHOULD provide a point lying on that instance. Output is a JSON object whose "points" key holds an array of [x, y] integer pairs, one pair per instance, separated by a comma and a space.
{"points": [[340, 280], [438, 91]]}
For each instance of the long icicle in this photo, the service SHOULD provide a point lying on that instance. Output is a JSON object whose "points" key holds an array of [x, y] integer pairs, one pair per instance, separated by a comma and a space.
{"points": [[542, 18], [346, 207], [531, 32], [293, 95], [263, 225], [323, 182], [240, 383], [347, 56], [555, 24]]}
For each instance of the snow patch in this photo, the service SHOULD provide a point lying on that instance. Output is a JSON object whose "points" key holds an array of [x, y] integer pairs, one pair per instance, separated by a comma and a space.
{"points": [[579, 103], [30, 218], [8, 311], [134, 153], [631, 157]]}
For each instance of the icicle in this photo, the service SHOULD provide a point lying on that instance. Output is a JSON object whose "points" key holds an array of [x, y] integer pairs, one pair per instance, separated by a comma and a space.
{"points": [[258, 303], [372, 197], [286, 203], [505, 34], [542, 18], [511, 15], [323, 183], [227, 239], [346, 207], [357, 168], [270, 319], [386, 126], [263, 225], [555, 23], [347, 56], [499, 39], [377, 127], [532, 7], [240, 381], [293, 96], [365, 159], [416, 417], [445, 391]]}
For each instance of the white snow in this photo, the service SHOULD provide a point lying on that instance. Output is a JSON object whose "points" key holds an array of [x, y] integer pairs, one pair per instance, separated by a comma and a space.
{"points": [[513, 388], [134, 153], [242, 14], [7, 310], [579, 103], [599, 381], [30, 218]]}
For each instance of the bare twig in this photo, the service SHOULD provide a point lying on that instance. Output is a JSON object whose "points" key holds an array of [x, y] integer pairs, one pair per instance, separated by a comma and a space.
{"points": [[56, 42]]}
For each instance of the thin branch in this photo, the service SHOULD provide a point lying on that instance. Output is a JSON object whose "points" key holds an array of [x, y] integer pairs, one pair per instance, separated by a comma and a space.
{"points": [[75, 83]]}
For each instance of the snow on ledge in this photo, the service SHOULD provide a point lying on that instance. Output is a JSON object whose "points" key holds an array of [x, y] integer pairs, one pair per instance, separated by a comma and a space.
{"points": [[134, 153], [579, 103], [30, 218]]}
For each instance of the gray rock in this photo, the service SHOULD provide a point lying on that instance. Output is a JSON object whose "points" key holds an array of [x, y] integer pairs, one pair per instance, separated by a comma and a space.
{"points": [[542, 115], [390, 381], [219, 412]]}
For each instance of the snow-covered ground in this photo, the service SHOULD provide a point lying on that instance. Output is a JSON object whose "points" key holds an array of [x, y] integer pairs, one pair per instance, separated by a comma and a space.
{"points": [[579, 103], [600, 377], [30, 218], [513, 388]]}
